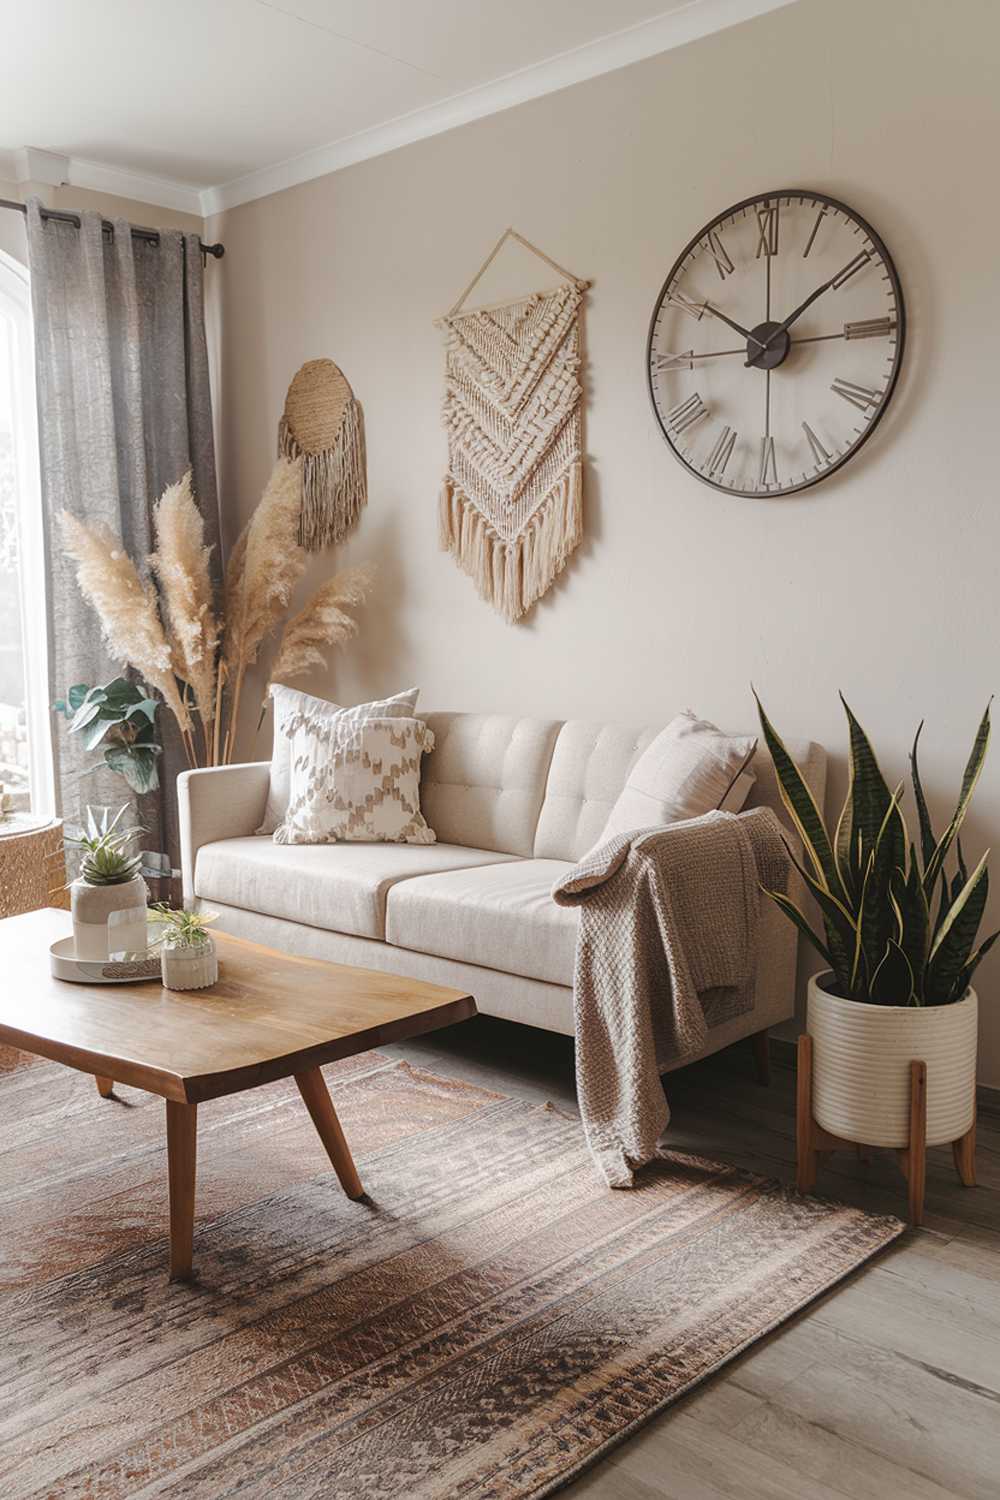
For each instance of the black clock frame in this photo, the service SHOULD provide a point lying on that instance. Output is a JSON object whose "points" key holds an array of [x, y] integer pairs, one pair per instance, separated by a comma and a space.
{"points": [[894, 376]]}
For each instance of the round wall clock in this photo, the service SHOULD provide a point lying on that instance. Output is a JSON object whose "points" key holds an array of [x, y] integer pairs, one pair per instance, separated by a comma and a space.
{"points": [[775, 343]]}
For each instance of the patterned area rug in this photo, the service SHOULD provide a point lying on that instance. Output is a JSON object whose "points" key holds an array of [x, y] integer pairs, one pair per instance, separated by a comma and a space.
{"points": [[488, 1323]]}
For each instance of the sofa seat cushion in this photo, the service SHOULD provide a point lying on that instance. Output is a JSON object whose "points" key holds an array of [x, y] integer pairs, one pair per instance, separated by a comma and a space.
{"points": [[499, 916], [341, 887]]}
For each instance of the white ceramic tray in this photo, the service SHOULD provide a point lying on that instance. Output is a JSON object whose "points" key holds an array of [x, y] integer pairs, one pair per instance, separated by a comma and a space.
{"points": [[66, 965]]}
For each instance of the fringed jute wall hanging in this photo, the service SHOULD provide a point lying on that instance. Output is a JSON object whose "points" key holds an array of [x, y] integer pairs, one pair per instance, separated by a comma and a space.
{"points": [[511, 506], [323, 424]]}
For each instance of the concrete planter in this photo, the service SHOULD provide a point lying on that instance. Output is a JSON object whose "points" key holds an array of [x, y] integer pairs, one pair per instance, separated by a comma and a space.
{"points": [[109, 918], [861, 1066], [189, 966]]}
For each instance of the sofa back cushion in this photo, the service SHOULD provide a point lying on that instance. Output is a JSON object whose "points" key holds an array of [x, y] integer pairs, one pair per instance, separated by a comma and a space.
{"points": [[590, 766], [484, 781]]}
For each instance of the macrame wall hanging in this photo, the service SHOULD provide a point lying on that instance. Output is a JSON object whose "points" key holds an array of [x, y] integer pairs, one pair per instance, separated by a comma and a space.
{"points": [[511, 507], [323, 424]]}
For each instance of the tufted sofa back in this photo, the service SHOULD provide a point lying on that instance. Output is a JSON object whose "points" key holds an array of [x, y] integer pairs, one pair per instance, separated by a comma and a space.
{"points": [[483, 783], [544, 788]]}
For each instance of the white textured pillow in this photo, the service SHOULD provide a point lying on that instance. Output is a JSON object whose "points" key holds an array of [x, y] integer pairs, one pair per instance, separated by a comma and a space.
{"points": [[359, 782], [690, 769], [289, 704]]}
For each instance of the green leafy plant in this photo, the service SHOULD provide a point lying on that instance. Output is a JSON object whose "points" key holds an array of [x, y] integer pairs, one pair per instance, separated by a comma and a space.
{"points": [[181, 929], [105, 847], [897, 930], [122, 717]]}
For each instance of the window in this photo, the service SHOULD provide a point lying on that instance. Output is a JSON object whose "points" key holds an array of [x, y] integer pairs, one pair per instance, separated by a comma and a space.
{"points": [[25, 746]]}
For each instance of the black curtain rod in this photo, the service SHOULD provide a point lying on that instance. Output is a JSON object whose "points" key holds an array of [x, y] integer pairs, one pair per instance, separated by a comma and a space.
{"points": [[153, 235]]}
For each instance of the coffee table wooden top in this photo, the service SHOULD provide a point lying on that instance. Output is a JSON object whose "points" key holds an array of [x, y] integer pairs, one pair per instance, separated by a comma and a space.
{"points": [[268, 1016]]}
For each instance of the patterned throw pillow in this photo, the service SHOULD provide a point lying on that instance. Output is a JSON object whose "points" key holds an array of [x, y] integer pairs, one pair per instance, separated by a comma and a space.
{"points": [[359, 782], [290, 703]]}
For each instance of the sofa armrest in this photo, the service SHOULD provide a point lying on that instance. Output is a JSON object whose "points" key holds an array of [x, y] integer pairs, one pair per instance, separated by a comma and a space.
{"points": [[220, 802]]}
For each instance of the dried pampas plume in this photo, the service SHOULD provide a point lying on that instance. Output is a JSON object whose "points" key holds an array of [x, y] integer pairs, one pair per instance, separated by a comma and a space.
{"points": [[321, 626], [178, 640], [126, 607], [182, 564], [266, 564]]}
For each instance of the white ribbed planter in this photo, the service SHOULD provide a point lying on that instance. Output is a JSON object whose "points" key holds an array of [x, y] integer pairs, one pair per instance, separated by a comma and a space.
{"points": [[189, 966], [861, 1067]]}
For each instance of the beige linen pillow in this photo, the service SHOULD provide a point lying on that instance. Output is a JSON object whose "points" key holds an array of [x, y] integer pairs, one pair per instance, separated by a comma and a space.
{"points": [[288, 705], [356, 781], [690, 769]]}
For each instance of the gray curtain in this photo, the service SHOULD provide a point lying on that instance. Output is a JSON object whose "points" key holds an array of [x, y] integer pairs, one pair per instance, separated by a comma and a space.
{"points": [[123, 410]]}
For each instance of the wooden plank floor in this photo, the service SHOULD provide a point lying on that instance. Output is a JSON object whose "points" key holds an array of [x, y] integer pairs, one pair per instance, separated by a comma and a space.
{"points": [[886, 1389]]}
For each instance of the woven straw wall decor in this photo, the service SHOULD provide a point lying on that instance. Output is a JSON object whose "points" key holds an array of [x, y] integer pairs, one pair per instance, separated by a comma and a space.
{"points": [[511, 505], [323, 424]]}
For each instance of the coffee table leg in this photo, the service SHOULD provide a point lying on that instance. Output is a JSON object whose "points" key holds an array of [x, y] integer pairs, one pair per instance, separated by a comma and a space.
{"points": [[182, 1137], [104, 1086], [313, 1089]]}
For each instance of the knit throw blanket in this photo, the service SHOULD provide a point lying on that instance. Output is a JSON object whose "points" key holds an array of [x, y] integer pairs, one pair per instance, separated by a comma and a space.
{"points": [[511, 502], [667, 948]]}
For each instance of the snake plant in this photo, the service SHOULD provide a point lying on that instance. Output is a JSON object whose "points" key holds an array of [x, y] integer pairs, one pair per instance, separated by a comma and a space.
{"points": [[106, 860], [897, 930]]}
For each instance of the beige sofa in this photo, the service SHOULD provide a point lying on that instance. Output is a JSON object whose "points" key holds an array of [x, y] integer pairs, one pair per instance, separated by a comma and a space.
{"points": [[514, 803]]}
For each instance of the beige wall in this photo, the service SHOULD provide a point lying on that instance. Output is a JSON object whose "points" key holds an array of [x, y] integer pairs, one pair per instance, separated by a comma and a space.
{"points": [[882, 582], [72, 200]]}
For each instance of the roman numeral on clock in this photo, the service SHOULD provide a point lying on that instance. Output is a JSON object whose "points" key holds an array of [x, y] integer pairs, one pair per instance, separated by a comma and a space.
{"points": [[686, 413], [815, 231], [719, 253], [858, 395], [768, 467], [687, 305], [819, 453], [767, 223], [668, 361], [721, 453], [869, 328]]}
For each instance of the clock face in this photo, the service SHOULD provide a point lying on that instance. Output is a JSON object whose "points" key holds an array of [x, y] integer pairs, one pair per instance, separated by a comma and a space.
{"points": [[775, 343]]}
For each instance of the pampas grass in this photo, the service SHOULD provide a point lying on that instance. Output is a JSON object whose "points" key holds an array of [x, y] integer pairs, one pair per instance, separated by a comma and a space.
{"points": [[321, 626], [126, 606], [270, 563], [176, 638], [182, 564]]}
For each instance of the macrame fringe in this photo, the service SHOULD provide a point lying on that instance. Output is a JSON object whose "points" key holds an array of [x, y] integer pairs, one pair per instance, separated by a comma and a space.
{"points": [[512, 575], [334, 480]]}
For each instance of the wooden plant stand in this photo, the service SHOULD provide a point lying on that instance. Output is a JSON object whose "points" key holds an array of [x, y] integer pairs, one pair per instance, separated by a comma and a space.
{"points": [[811, 1139]]}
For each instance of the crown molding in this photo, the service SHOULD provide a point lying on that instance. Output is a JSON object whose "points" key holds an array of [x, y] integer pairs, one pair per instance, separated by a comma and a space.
{"points": [[47, 167], [122, 182], [675, 28], [31, 167]]}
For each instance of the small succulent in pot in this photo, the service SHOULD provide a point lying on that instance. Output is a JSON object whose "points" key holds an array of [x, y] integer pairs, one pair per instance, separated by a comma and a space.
{"points": [[188, 957], [109, 895], [182, 928], [105, 846]]}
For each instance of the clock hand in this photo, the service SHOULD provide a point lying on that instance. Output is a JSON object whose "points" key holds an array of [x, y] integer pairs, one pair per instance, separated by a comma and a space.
{"points": [[837, 280], [737, 328], [688, 356]]}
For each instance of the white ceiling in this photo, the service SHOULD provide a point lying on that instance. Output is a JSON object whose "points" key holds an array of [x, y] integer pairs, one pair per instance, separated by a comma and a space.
{"points": [[202, 104]]}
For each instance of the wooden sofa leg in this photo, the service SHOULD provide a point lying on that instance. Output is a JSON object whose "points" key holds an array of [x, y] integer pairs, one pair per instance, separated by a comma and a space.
{"points": [[761, 1057], [805, 1148]]}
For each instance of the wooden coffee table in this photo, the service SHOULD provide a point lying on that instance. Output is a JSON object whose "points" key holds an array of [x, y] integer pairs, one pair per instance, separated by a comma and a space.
{"points": [[269, 1016]]}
